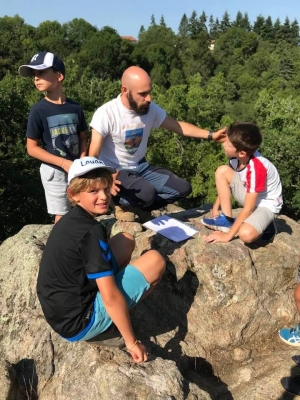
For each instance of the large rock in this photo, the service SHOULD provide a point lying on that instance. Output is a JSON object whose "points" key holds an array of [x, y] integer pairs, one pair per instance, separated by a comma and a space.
{"points": [[211, 324]]}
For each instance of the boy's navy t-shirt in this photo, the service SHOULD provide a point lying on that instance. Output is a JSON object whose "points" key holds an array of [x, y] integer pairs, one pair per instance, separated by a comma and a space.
{"points": [[58, 126], [75, 255]]}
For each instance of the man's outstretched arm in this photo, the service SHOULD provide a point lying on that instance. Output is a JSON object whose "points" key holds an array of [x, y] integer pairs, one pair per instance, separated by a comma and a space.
{"points": [[190, 130]]}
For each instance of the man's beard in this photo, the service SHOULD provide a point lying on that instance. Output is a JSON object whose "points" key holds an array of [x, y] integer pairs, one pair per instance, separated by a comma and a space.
{"points": [[140, 110]]}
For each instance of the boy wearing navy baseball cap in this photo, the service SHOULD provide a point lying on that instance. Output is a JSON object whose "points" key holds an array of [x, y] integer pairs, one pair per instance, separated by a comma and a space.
{"points": [[55, 129], [87, 283]]}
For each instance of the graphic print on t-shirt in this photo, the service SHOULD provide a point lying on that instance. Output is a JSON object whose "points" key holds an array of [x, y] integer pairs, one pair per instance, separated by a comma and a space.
{"points": [[63, 131], [133, 138]]}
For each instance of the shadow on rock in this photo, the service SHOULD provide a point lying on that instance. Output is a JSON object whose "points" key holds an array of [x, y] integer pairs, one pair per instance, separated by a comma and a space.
{"points": [[295, 373], [24, 380], [161, 323]]}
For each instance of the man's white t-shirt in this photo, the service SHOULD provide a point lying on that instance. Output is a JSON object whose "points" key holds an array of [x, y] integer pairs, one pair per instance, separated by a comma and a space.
{"points": [[261, 176], [125, 132]]}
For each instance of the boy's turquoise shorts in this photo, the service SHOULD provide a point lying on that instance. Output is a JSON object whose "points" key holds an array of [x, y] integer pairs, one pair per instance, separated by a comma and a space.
{"points": [[131, 283]]}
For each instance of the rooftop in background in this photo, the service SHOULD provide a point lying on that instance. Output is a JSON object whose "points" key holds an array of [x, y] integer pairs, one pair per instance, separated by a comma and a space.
{"points": [[131, 38]]}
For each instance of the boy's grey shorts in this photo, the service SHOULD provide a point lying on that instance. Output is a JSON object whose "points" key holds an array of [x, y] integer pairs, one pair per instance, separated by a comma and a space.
{"points": [[55, 184], [261, 216]]}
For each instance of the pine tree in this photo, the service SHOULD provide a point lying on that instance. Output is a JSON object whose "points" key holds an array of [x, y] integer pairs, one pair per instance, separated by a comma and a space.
{"points": [[246, 23], [162, 21], [214, 29], [152, 22], [276, 30], [194, 25], [238, 20], [258, 25], [183, 29], [225, 23], [267, 31], [141, 31], [202, 22], [295, 31]]}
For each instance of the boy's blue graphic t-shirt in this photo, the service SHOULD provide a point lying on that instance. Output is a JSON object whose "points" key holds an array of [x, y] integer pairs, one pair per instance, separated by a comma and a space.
{"points": [[58, 126]]}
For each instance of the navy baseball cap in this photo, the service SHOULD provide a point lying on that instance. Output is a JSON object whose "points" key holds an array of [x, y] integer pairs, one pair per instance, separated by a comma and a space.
{"points": [[42, 61]]}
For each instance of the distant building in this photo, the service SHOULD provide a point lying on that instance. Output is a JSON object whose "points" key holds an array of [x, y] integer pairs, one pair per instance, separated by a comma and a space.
{"points": [[130, 38], [212, 45]]}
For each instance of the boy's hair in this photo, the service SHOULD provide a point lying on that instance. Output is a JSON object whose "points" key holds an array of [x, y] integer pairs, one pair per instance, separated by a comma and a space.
{"points": [[89, 180], [244, 136]]}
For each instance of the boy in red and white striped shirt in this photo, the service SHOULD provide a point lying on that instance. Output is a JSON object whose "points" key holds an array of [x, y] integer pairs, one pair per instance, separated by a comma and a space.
{"points": [[253, 181]]}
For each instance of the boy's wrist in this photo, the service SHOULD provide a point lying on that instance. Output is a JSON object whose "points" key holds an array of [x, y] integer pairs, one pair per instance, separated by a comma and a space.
{"points": [[132, 345], [63, 164]]}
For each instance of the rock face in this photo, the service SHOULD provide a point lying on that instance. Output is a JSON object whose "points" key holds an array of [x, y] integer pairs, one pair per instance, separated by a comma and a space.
{"points": [[211, 324]]}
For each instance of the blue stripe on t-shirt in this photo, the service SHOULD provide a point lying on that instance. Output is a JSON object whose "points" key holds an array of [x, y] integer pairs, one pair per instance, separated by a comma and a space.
{"points": [[100, 274], [103, 245], [107, 257], [84, 332]]}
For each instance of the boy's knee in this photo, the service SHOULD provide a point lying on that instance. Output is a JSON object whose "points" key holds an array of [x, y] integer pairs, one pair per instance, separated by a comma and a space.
{"points": [[247, 234], [125, 239], [297, 293], [158, 261]]}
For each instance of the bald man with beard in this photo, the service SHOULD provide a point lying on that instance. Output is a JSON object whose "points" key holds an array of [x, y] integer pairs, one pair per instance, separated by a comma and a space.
{"points": [[120, 132]]}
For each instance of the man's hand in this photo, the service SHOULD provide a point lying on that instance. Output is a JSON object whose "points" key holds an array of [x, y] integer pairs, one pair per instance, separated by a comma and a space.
{"points": [[217, 236], [115, 186], [220, 135]]}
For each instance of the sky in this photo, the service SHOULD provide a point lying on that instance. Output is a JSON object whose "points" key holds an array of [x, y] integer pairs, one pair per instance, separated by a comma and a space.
{"points": [[127, 16]]}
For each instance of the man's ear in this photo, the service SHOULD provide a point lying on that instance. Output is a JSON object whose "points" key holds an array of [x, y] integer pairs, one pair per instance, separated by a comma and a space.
{"points": [[124, 89]]}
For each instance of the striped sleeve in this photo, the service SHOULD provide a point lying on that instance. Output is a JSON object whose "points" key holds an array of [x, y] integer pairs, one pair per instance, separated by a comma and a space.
{"points": [[96, 253], [256, 176]]}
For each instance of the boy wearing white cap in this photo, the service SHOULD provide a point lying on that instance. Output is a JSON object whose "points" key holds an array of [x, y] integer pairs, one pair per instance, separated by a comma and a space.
{"points": [[86, 284], [56, 122]]}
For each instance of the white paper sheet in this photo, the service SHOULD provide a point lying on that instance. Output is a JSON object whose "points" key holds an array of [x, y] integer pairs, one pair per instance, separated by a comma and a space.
{"points": [[171, 228]]}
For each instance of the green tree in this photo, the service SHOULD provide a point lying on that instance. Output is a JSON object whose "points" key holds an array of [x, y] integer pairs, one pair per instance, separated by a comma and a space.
{"points": [[162, 21], [19, 175], [152, 21], [245, 24], [214, 28], [77, 32], [183, 29], [51, 36], [267, 31], [258, 25], [278, 118], [194, 25], [103, 52], [202, 22], [225, 22], [16, 44]]}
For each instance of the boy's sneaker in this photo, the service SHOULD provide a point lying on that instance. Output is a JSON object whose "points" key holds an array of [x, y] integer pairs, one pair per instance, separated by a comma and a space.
{"points": [[290, 336], [109, 338], [291, 384], [220, 223], [269, 232]]}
